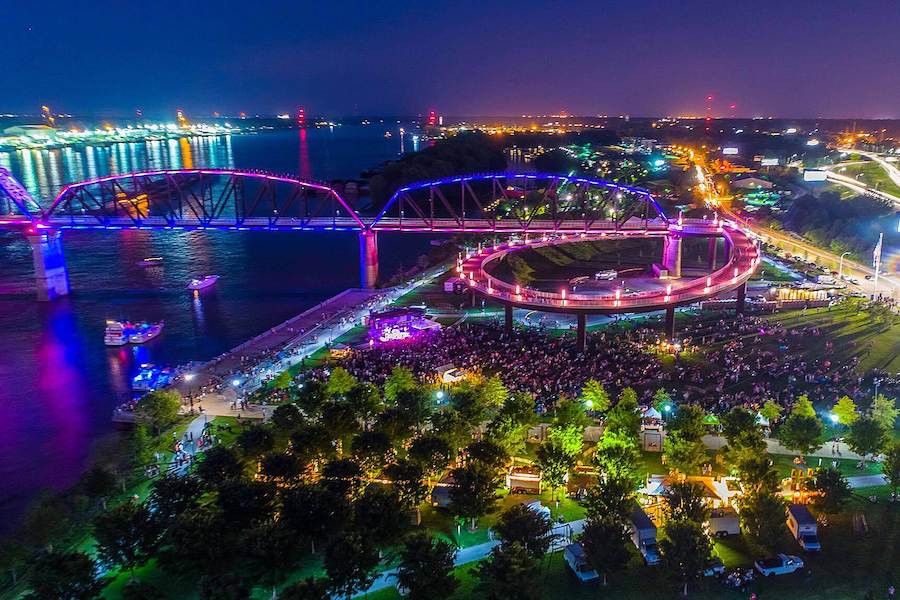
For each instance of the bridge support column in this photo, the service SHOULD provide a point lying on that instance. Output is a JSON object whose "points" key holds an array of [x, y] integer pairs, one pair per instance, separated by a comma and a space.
{"points": [[368, 258], [727, 249], [670, 323], [672, 256], [49, 265], [740, 306], [508, 320], [581, 333], [712, 250]]}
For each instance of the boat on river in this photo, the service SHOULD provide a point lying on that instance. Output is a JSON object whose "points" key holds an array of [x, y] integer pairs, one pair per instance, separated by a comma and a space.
{"points": [[200, 284], [151, 261], [119, 333]]}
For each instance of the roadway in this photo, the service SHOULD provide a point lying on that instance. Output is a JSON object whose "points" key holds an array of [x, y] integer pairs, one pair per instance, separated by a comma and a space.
{"points": [[888, 285]]}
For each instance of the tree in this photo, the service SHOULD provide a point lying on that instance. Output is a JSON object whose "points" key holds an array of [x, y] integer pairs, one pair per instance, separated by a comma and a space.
{"points": [[400, 379], [685, 550], [522, 525], [69, 575], [762, 517], [373, 450], [310, 396], [687, 501], [803, 407], [136, 589], [555, 463], [430, 452], [662, 400], [417, 404], [771, 411], [489, 453], [343, 476], [198, 541], [800, 433], [510, 427], [408, 479], [884, 411], [611, 498], [255, 440], [269, 553], [426, 568], [282, 381], [510, 572], [224, 585], [474, 490], [312, 442], [624, 420], [282, 466], [594, 396], [314, 513], [683, 454], [758, 474], [493, 393], [340, 420], [158, 410], [605, 544], [618, 458], [287, 418], [568, 414], [126, 536], [833, 492], [99, 482], [740, 430], [845, 411], [350, 562], [688, 423], [171, 495], [219, 464], [306, 589], [867, 436], [247, 503], [379, 513], [340, 381], [892, 465]]}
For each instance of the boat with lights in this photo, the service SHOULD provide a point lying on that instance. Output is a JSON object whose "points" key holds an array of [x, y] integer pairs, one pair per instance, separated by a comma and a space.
{"points": [[200, 284], [115, 334], [151, 261], [139, 333]]}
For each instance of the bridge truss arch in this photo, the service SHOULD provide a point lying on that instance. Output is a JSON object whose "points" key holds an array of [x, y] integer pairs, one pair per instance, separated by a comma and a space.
{"points": [[519, 203], [200, 199]]}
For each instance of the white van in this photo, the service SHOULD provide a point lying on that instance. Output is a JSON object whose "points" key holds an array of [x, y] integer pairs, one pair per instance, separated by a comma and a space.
{"points": [[578, 563]]}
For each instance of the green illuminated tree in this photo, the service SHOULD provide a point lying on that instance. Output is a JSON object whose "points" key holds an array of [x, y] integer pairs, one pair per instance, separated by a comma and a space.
{"points": [[771, 411], [339, 383], [126, 536], [400, 379], [801, 433], [474, 490], [158, 410], [594, 396], [845, 410], [522, 525], [867, 436], [884, 411]]}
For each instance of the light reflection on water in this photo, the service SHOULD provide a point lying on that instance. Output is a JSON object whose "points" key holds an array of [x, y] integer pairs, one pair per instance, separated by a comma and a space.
{"points": [[59, 384]]}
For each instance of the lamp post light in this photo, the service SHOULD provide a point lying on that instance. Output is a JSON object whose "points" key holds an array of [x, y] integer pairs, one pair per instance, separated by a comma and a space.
{"points": [[841, 266]]}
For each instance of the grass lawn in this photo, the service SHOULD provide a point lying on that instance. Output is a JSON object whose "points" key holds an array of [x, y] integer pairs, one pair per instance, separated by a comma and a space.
{"points": [[872, 175]]}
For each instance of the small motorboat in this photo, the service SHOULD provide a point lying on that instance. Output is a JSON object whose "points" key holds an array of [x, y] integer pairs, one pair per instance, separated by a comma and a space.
{"points": [[200, 284], [115, 334], [139, 333], [151, 261]]}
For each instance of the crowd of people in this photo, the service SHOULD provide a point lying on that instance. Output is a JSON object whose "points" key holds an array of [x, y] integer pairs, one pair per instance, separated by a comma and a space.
{"points": [[735, 361]]}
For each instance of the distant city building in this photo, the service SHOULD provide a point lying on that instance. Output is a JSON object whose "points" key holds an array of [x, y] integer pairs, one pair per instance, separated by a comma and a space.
{"points": [[639, 144], [43, 132]]}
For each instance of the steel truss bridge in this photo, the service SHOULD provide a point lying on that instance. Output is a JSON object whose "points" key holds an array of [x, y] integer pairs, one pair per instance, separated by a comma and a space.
{"points": [[511, 204], [245, 200]]}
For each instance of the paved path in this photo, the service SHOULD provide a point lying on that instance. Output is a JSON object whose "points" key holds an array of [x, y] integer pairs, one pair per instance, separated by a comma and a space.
{"points": [[470, 554], [858, 481], [717, 442]]}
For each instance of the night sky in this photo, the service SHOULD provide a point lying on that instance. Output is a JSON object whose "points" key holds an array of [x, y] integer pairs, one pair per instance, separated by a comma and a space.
{"points": [[809, 58]]}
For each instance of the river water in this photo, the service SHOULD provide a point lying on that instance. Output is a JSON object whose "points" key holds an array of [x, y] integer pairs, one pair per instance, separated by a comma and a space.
{"points": [[59, 383]]}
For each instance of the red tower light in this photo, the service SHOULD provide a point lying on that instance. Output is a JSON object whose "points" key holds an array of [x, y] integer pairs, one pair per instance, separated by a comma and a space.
{"points": [[301, 117], [432, 118]]}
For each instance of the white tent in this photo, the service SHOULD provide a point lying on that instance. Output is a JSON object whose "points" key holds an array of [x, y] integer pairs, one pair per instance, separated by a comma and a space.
{"points": [[652, 413]]}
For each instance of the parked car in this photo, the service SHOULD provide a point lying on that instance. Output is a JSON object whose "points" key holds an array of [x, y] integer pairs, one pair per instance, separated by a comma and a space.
{"points": [[714, 567], [781, 564], [578, 563]]}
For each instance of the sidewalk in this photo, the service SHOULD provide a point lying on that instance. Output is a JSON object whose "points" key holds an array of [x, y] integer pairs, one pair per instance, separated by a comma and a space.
{"points": [[475, 553]]}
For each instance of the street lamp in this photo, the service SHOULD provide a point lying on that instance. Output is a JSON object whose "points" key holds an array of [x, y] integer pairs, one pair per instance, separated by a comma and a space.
{"points": [[841, 265]]}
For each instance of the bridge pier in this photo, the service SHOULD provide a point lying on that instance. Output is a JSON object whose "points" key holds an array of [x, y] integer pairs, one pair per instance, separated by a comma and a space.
{"points": [[672, 255], [740, 306], [581, 333], [368, 258], [508, 320], [670, 323], [50, 272], [712, 250]]}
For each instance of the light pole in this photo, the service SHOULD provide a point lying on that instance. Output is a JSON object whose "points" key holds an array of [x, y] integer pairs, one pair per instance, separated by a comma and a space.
{"points": [[841, 266]]}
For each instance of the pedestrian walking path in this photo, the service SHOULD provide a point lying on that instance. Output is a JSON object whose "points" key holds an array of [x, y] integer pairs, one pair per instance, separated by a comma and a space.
{"points": [[470, 554]]}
